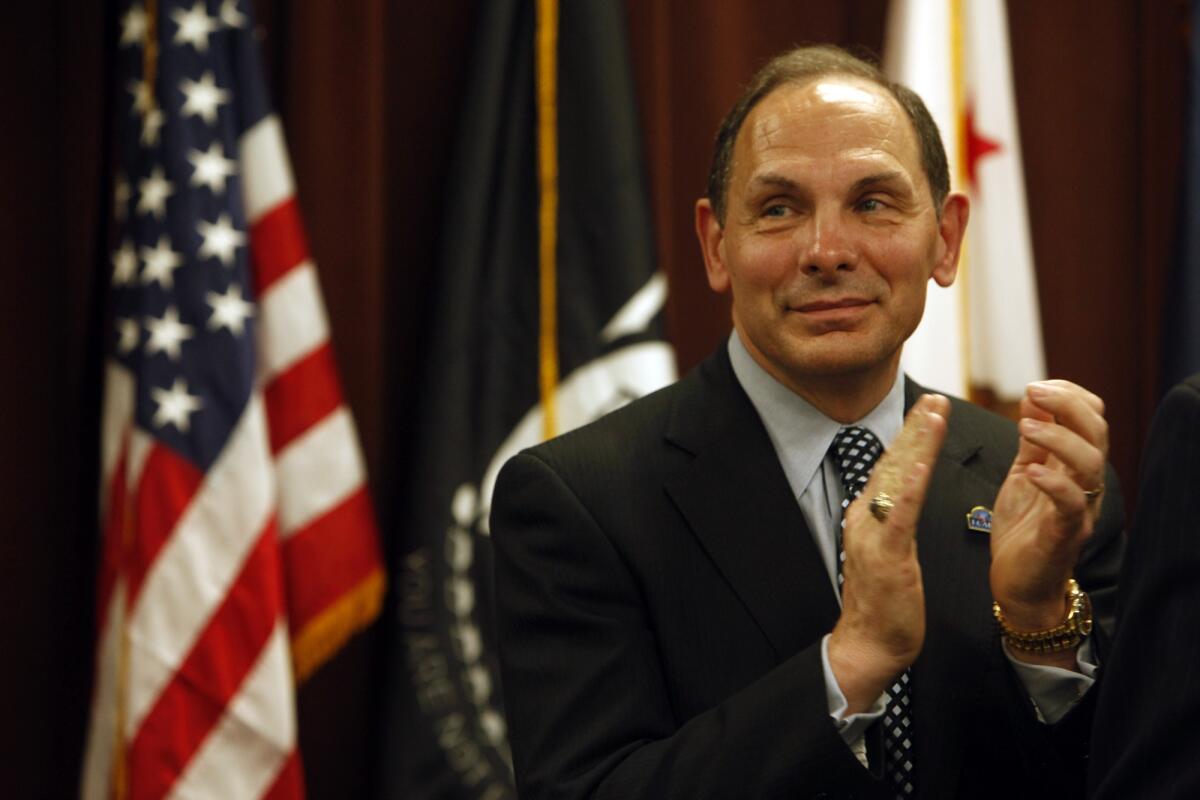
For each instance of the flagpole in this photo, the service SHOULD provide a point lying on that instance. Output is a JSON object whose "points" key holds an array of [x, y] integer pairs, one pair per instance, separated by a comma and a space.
{"points": [[958, 81], [150, 49], [120, 767], [547, 111]]}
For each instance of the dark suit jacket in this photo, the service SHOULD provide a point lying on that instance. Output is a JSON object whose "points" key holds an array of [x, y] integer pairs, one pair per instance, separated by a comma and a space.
{"points": [[1145, 741], [661, 604]]}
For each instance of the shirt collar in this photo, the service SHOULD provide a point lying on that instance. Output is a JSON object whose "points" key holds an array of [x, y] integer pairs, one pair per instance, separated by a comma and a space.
{"points": [[800, 433]]}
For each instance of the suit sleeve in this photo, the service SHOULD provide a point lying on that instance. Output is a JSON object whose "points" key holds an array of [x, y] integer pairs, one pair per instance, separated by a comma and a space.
{"points": [[585, 696], [1143, 742]]}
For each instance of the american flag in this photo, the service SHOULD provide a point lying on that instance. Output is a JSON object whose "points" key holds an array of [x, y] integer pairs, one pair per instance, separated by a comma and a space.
{"points": [[240, 549]]}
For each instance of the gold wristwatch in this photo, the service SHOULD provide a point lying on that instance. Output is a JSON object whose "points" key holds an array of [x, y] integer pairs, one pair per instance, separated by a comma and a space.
{"points": [[1066, 636]]}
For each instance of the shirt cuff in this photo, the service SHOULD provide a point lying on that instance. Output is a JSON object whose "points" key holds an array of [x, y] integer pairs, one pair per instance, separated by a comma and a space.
{"points": [[852, 727], [1053, 690]]}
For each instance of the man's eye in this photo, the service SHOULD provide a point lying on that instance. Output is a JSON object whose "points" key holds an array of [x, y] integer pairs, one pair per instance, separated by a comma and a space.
{"points": [[870, 204], [775, 211]]}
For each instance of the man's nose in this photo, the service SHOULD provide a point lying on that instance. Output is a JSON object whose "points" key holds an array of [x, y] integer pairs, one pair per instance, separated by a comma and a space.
{"points": [[829, 248]]}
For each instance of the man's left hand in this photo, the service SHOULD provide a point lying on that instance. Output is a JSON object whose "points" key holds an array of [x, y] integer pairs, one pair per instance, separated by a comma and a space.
{"points": [[1047, 507]]}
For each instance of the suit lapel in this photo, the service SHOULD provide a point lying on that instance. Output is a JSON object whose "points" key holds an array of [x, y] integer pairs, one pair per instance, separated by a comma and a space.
{"points": [[955, 560], [737, 501]]}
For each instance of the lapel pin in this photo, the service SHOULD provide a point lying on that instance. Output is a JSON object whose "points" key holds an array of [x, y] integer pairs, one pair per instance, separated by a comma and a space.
{"points": [[979, 519]]}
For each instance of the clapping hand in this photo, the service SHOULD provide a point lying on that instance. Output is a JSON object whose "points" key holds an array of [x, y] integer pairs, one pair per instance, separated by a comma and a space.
{"points": [[882, 627], [1047, 507]]}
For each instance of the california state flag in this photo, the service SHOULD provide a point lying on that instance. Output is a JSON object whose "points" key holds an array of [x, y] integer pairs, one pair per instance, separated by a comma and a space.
{"points": [[984, 332]]}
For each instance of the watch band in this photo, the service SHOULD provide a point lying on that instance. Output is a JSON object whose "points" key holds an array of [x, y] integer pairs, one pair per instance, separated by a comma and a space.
{"points": [[1066, 636]]}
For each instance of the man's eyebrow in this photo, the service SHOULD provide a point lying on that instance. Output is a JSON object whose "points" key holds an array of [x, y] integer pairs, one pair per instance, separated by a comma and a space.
{"points": [[773, 179], [876, 179]]}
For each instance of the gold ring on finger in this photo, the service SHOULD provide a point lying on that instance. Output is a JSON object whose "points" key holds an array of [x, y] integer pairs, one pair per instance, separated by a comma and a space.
{"points": [[1092, 494], [881, 505]]}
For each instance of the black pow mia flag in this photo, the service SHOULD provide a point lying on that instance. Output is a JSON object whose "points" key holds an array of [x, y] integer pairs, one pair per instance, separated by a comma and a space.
{"points": [[444, 731]]}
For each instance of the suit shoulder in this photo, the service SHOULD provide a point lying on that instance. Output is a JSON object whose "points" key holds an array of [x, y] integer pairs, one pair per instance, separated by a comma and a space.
{"points": [[621, 436], [1175, 421], [1185, 393]]}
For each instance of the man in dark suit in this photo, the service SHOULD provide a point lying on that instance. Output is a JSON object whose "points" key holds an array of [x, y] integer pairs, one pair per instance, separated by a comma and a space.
{"points": [[1144, 743], [682, 612]]}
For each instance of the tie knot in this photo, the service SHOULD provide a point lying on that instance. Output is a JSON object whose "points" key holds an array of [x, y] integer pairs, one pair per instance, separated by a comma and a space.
{"points": [[854, 452]]}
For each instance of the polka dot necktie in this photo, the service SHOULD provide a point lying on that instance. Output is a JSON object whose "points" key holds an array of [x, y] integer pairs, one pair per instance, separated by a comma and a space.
{"points": [[854, 452]]}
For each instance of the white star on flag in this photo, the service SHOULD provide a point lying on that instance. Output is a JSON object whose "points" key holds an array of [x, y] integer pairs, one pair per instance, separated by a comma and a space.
{"points": [[152, 122], [167, 334], [175, 405], [133, 26], [194, 27], [143, 99], [128, 334], [124, 260], [154, 193], [161, 262], [220, 239], [230, 14], [211, 167], [122, 192], [230, 310], [202, 97]]}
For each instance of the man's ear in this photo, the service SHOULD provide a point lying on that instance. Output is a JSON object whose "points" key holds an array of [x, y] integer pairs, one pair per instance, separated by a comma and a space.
{"points": [[951, 229], [712, 244]]}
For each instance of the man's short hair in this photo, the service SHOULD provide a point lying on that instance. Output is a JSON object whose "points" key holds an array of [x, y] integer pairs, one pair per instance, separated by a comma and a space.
{"points": [[804, 65]]}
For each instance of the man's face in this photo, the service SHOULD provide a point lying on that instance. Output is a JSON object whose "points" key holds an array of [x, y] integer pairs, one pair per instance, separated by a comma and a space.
{"points": [[830, 233]]}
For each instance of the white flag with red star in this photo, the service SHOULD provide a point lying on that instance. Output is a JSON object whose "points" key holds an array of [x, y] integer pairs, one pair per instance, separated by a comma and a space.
{"points": [[985, 331]]}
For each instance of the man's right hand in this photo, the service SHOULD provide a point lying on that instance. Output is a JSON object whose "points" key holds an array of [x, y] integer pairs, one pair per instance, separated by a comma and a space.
{"points": [[882, 626]]}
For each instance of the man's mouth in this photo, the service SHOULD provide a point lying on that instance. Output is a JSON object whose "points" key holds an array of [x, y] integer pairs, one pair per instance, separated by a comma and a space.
{"points": [[820, 306]]}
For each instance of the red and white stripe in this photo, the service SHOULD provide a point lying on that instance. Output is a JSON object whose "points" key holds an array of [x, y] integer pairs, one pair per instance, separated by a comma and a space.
{"points": [[209, 581]]}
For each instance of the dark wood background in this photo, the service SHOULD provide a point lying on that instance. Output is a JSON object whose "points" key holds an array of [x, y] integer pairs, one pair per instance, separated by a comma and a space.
{"points": [[369, 95]]}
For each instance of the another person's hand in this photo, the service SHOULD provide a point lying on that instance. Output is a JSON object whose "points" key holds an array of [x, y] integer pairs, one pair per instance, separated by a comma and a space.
{"points": [[1047, 507], [882, 626]]}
